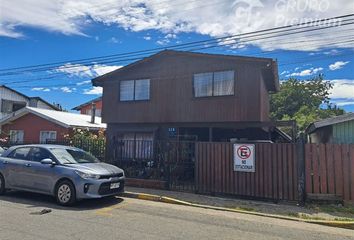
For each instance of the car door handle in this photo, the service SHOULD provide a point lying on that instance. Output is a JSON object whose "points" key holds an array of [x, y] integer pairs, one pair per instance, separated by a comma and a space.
{"points": [[6, 162], [28, 165]]}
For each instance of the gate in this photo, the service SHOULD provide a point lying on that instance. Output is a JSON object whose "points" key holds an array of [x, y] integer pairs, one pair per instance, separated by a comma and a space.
{"points": [[180, 163], [330, 170], [169, 161]]}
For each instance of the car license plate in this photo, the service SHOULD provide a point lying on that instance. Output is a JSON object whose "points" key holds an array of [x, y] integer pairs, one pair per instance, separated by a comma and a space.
{"points": [[115, 185]]}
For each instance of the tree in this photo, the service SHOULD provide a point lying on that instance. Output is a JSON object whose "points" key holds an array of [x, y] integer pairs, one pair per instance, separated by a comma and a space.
{"points": [[305, 101]]}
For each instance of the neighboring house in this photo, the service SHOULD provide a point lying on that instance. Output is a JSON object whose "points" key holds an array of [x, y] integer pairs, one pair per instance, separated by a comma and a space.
{"points": [[33, 125], [190, 96], [339, 129], [12, 100], [86, 108]]}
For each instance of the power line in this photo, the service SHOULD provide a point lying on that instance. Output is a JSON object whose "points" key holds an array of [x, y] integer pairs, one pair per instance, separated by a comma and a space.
{"points": [[335, 43], [183, 45], [184, 75], [193, 49]]}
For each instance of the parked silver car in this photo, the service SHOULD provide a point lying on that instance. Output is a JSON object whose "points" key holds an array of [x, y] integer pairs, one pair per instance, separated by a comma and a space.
{"points": [[67, 173]]}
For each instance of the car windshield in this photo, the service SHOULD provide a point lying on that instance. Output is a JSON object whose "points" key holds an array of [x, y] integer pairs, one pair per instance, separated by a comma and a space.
{"points": [[72, 156]]}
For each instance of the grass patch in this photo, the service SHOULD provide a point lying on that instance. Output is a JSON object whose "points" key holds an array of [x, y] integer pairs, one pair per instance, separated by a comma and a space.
{"points": [[292, 214], [344, 219], [333, 208], [307, 216], [249, 209]]}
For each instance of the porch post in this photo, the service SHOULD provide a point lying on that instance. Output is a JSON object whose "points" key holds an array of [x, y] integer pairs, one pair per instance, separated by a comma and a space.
{"points": [[300, 150], [210, 134]]}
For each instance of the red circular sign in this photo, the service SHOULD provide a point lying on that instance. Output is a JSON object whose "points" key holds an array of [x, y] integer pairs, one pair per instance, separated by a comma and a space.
{"points": [[244, 152]]}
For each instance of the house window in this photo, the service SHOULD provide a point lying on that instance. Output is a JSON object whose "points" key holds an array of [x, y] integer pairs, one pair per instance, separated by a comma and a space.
{"points": [[16, 136], [8, 106], [134, 90], [214, 84], [46, 136], [137, 145]]}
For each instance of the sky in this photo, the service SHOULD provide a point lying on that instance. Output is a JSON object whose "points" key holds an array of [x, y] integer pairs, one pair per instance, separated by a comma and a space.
{"points": [[62, 31]]}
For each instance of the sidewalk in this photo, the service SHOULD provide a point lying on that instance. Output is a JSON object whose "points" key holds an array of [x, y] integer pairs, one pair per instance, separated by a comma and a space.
{"points": [[316, 212]]}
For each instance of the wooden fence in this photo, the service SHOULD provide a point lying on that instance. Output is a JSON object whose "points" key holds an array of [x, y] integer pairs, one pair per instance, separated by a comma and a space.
{"points": [[275, 176], [330, 170]]}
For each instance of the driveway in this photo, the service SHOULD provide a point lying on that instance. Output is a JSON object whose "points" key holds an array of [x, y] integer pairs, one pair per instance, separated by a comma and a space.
{"points": [[124, 218]]}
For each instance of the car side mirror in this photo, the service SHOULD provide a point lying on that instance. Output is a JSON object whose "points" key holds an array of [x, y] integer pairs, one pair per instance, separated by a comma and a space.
{"points": [[48, 161]]}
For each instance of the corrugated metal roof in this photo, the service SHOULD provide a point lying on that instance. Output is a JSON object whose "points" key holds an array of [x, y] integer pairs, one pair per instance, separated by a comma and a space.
{"points": [[65, 119], [330, 121]]}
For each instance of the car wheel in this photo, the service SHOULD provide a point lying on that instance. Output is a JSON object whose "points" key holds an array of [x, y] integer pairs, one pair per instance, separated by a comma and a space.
{"points": [[2, 185], [65, 193]]}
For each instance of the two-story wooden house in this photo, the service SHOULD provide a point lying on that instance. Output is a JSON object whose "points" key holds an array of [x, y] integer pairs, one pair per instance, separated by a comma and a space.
{"points": [[12, 100], [190, 96]]}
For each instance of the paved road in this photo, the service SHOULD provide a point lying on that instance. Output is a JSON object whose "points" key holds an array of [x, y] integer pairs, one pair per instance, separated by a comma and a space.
{"points": [[123, 218]]}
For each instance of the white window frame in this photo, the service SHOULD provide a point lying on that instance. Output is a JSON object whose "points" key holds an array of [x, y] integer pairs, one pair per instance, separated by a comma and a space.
{"points": [[134, 97], [41, 138], [17, 139]]}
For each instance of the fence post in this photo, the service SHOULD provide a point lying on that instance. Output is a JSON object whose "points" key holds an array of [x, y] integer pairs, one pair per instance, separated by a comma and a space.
{"points": [[300, 149], [164, 158]]}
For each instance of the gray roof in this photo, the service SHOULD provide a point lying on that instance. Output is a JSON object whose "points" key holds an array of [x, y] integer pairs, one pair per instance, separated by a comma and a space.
{"points": [[270, 73], [330, 121], [87, 103], [65, 119]]}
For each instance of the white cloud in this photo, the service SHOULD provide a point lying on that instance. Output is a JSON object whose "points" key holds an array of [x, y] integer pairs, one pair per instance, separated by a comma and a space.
{"points": [[93, 91], [163, 41], [83, 82], [147, 38], [79, 70], [114, 40], [215, 19], [67, 89], [337, 65], [171, 35], [342, 88], [306, 72], [345, 103], [40, 89], [284, 72], [44, 14]]}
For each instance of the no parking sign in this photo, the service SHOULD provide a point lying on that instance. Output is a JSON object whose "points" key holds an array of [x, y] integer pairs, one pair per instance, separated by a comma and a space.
{"points": [[244, 155]]}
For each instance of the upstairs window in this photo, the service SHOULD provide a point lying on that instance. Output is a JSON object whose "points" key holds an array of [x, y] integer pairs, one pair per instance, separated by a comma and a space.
{"points": [[8, 106], [214, 84], [135, 90]]}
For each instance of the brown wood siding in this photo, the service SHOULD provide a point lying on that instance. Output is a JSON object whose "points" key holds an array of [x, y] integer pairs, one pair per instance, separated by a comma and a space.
{"points": [[171, 95], [275, 176], [330, 169], [264, 101]]}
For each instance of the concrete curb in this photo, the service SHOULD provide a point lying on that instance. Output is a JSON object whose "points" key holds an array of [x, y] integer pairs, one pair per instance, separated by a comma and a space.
{"points": [[156, 198]]}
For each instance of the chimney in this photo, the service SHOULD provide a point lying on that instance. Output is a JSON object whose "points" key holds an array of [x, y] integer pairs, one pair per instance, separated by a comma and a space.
{"points": [[93, 112]]}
